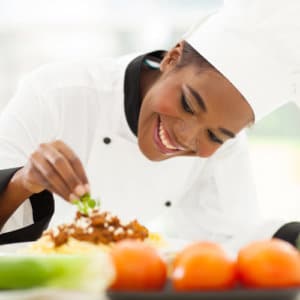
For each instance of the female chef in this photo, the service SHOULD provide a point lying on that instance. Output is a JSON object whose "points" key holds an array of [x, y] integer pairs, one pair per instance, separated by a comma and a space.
{"points": [[106, 125]]}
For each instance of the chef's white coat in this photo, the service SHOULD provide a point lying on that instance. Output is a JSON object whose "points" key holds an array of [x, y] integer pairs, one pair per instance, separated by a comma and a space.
{"points": [[81, 104]]}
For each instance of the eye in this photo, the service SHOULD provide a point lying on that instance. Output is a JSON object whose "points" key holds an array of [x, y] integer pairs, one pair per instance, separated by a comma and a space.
{"points": [[185, 105], [213, 137]]}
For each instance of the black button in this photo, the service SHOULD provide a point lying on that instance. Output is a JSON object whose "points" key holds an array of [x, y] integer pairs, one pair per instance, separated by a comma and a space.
{"points": [[168, 203], [106, 140]]}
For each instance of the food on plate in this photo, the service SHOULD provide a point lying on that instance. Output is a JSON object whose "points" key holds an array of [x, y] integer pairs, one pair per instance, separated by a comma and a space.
{"points": [[203, 266], [88, 233], [269, 263], [97, 227], [91, 230], [74, 272], [138, 267]]}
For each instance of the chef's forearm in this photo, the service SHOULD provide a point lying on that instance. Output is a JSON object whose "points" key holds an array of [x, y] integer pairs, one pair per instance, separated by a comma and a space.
{"points": [[12, 197]]}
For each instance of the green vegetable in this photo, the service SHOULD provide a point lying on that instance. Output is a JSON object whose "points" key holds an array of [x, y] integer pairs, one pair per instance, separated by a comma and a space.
{"points": [[86, 203], [75, 272]]}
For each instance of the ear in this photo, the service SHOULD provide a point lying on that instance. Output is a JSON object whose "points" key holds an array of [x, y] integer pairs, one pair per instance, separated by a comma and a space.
{"points": [[172, 57]]}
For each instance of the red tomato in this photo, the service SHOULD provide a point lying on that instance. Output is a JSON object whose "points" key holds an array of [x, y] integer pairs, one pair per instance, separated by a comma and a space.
{"points": [[269, 263], [203, 266], [138, 267]]}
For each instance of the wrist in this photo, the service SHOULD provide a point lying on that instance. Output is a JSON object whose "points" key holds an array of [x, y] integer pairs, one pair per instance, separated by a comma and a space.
{"points": [[18, 181], [12, 196]]}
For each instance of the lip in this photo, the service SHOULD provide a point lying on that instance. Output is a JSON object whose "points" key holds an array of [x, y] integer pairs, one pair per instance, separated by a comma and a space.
{"points": [[161, 147]]}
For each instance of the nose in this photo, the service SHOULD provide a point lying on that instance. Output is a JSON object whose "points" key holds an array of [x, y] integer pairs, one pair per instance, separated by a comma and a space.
{"points": [[193, 135]]}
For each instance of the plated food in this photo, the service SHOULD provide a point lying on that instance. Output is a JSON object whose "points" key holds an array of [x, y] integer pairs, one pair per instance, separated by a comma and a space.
{"points": [[91, 232]]}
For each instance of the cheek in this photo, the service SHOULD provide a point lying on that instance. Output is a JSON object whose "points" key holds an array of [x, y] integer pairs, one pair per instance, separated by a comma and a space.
{"points": [[206, 152], [165, 106], [165, 100], [206, 149], [194, 139]]}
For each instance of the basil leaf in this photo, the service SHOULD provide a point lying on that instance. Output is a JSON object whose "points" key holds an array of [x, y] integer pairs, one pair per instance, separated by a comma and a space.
{"points": [[86, 203]]}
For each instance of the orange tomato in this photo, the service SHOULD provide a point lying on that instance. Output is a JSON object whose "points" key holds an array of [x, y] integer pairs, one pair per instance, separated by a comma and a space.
{"points": [[203, 266], [269, 263], [138, 267]]}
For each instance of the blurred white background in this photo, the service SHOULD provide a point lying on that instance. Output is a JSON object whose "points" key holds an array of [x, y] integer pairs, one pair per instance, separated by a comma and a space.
{"points": [[34, 32]]}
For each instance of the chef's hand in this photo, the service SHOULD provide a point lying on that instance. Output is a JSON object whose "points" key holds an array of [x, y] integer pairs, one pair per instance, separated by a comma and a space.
{"points": [[55, 167]]}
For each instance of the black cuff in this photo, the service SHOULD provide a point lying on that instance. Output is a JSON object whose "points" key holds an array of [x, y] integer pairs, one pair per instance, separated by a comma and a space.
{"points": [[42, 210], [5, 176], [289, 232]]}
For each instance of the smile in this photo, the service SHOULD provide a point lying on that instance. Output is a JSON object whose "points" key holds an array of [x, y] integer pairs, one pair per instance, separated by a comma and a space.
{"points": [[163, 140]]}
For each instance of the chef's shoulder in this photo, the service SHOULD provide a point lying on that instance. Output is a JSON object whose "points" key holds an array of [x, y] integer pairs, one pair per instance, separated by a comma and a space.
{"points": [[234, 147], [101, 74]]}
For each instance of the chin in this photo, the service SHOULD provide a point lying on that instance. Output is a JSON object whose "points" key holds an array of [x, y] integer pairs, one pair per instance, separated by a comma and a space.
{"points": [[150, 153]]}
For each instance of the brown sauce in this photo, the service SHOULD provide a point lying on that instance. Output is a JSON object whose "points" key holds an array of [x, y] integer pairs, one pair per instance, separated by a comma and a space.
{"points": [[97, 227]]}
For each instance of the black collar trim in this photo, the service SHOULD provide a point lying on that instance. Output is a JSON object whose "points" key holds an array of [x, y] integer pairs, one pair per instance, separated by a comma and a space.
{"points": [[132, 97]]}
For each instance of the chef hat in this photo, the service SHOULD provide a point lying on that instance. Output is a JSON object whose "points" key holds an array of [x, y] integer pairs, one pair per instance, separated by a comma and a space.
{"points": [[248, 53]]}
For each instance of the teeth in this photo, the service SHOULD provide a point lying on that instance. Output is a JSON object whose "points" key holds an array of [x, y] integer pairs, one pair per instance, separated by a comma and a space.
{"points": [[164, 139]]}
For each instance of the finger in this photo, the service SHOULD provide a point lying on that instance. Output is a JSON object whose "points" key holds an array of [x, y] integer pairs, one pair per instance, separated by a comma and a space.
{"points": [[63, 167], [74, 161], [34, 176], [54, 181]]}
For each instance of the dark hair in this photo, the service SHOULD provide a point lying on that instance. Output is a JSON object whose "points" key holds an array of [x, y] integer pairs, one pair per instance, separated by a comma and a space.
{"points": [[191, 56]]}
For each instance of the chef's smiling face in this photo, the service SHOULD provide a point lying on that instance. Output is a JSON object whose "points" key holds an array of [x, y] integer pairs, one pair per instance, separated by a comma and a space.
{"points": [[189, 111]]}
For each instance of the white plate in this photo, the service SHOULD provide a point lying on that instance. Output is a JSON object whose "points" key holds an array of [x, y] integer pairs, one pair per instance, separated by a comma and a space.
{"points": [[171, 247], [13, 248]]}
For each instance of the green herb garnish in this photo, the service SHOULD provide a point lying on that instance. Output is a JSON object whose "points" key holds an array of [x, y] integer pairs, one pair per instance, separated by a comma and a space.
{"points": [[85, 204]]}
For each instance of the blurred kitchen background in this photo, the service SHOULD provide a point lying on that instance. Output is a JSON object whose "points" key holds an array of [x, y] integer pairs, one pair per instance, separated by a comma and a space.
{"points": [[34, 32]]}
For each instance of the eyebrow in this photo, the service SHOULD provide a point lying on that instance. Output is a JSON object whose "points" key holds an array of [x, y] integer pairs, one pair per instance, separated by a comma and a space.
{"points": [[197, 97], [227, 132], [203, 106]]}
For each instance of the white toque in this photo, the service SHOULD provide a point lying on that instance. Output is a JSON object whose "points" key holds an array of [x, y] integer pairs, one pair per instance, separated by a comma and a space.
{"points": [[255, 44]]}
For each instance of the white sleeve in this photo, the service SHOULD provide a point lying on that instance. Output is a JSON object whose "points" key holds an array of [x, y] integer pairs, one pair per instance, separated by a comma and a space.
{"points": [[235, 189], [233, 219], [24, 123], [219, 203], [56, 101], [234, 185]]}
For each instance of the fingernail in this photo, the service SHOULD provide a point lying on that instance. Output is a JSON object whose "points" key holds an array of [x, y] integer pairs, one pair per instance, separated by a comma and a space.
{"points": [[80, 190], [73, 198], [87, 188]]}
